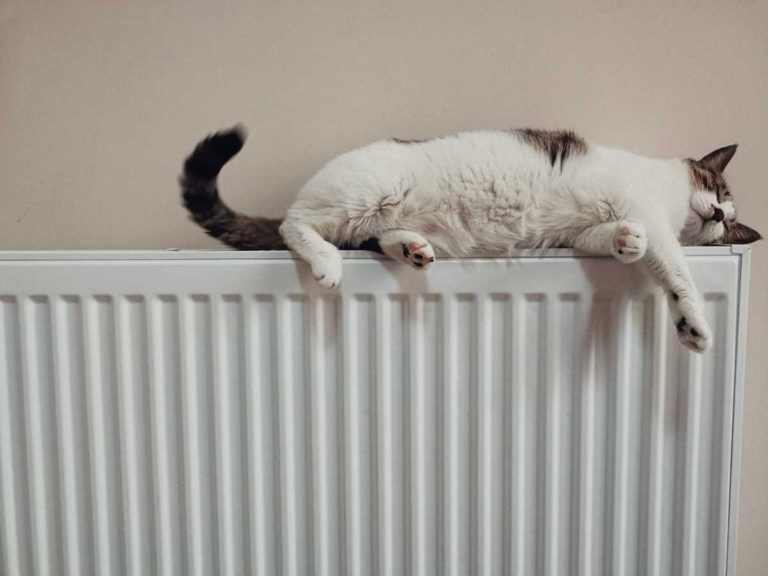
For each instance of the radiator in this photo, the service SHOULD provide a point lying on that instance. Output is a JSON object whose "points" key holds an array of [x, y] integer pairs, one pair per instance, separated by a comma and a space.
{"points": [[169, 413]]}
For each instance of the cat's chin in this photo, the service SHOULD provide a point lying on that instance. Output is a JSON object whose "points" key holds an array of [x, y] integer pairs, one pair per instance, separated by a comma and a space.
{"points": [[711, 232], [699, 231]]}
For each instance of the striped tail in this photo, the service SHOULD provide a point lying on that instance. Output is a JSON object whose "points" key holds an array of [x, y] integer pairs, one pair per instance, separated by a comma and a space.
{"points": [[200, 196]]}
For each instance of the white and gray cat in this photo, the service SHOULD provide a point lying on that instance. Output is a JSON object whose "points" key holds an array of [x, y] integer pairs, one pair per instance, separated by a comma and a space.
{"points": [[487, 193]]}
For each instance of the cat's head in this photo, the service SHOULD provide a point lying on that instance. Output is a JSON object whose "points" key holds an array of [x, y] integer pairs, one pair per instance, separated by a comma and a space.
{"points": [[712, 214]]}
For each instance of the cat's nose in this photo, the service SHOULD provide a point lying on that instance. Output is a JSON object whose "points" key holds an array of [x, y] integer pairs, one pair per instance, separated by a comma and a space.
{"points": [[718, 215]]}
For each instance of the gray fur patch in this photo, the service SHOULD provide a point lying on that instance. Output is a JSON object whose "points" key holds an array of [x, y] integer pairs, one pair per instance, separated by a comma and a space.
{"points": [[247, 233]]}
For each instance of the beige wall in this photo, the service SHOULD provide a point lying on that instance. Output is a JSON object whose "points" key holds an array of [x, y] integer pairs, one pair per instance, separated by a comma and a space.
{"points": [[99, 104]]}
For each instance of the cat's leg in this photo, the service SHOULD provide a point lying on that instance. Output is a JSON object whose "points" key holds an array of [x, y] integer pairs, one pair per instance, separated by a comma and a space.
{"points": [[666, 261], [322, 256], [629, 241], [406, 246], [625, 240]]}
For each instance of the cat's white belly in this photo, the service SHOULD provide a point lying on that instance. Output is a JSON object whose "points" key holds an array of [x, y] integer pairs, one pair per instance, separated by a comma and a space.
{"points": [[462, 213]]}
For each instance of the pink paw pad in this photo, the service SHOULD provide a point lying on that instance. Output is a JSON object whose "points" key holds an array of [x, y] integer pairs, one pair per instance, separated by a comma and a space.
{"points": [[419, 253]]}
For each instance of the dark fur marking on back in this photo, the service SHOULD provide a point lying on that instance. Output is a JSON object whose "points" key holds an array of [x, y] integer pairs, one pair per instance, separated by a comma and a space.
{"points": [[555, 144], [413, 141]]}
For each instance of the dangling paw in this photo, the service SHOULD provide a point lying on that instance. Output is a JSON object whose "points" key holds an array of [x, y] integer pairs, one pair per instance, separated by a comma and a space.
{"points": [[693, 335], [418, 254], [408, 247], [692, 329], [326, 268], [630, 242]]}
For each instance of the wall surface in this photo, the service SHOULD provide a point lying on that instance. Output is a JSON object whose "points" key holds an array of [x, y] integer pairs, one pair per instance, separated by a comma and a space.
{"points": [[100, 101]]}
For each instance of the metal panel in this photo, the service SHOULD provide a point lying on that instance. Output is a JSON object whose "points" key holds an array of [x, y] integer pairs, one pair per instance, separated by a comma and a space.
{"points": [[217, 413]]}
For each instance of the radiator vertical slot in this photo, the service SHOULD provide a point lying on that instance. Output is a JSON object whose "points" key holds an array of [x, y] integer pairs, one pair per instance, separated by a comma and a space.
{"points": [[72, 435], [560, 386], [494, 349], [165, 396], [713, 535], [593, 404], [671, 425], [425, 364], [707, 555], [528, 392], [295, 428], [231, 456], [134, 424], [360, 338], [198, 434], [651, 501], [687, 453], [40, 414], [325, 394], [261, 392], [16, 527], [393, 416], [103, 433], [459, 361]]}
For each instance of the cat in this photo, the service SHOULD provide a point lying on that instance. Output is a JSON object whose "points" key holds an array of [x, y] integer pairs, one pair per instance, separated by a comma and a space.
{"points": [[487, 193]]}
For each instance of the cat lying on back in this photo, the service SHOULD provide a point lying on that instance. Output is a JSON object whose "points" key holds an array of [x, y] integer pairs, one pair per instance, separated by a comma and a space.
{"points": [[487, 193]]}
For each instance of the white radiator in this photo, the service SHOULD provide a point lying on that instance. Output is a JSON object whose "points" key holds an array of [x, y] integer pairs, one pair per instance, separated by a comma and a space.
{"points": [[216, 413]]}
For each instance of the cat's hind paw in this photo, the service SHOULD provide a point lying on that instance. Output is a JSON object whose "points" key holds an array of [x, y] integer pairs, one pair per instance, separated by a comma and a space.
{"points": [[409, 247], [630, 242], [418, 254]]}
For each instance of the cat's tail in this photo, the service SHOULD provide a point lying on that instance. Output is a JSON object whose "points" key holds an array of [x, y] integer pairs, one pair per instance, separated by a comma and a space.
{"points": [[200, 195]]}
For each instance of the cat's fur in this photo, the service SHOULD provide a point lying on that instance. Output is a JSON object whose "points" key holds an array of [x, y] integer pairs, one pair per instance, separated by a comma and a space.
{"points": [[488, 193]]}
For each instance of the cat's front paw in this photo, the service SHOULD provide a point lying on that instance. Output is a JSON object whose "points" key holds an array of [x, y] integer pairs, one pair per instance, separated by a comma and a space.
{"points": [[326, 269], [693, 334], [692, 329], [630, 242]]}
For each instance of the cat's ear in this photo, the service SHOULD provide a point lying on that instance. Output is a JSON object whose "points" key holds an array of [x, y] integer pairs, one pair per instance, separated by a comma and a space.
{"points": [[719, 159], [740, 234]]}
